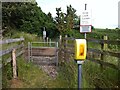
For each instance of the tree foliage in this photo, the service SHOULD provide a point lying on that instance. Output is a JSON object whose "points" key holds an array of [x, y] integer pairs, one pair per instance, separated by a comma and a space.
{"points": [[27, 17], [70, 17], [60, 20], [66, 21]]}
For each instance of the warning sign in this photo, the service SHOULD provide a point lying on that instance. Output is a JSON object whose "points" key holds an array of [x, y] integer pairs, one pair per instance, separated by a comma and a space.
{"points": [[85, 18], [85, 21], [85, 28]]}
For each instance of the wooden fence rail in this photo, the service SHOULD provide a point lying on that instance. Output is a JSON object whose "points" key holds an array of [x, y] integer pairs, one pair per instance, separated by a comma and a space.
{"points": [[13, 52], [66, 49], [10, 59], [95, 55], [113, 42], [115, 54], [3, 52], [11, 40]]}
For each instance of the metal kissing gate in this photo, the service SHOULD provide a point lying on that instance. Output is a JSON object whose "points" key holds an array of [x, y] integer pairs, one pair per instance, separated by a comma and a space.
{"points": [[43, 53]]}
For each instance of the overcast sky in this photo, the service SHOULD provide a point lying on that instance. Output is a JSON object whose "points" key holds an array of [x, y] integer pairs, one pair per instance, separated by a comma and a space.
{"points": [[104, 12]]}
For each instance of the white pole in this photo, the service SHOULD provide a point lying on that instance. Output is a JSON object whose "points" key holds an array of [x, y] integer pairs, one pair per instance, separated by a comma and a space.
{"points": [[50, 42], [85, 9], [85, 35]]}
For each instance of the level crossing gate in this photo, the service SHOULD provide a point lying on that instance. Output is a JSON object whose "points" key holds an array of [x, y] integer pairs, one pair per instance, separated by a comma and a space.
{"points": [[43, 53]]}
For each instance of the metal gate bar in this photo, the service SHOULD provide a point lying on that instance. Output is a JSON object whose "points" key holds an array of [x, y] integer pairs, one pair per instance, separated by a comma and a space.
{"points": [[31, 46]]}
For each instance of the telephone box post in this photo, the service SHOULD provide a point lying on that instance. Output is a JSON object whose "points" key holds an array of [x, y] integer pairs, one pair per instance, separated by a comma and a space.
{"points": [[79, 74], [80, 56]]}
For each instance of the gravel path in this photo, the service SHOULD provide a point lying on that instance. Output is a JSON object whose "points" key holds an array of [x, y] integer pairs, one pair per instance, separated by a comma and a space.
{"points": [[50, 70], [45, 58]]}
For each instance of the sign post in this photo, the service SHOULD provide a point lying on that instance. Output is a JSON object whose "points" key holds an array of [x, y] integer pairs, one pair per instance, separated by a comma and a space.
{"points": [[85, 21], [44, 34], [80, 56], [85, 9]]}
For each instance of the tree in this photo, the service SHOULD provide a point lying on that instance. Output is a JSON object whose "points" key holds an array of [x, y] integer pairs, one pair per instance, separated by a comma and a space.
{"points": [[65, 21], [60, 20], [70, 17], [27, 17]]}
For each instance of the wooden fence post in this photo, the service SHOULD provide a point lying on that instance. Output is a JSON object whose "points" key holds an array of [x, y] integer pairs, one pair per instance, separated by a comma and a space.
{"points": [[60, 48], [57, 53], [104, 46], [60, 39], [50, 42], [23, 46], [14, 64], [29, 52]]}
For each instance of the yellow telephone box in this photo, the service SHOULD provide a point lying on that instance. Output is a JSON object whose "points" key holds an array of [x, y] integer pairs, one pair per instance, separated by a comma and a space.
{"points": [[80, 49]]}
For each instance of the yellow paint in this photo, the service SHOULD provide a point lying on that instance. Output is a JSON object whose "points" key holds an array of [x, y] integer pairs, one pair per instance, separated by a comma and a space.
{"points": [[80, 49]]}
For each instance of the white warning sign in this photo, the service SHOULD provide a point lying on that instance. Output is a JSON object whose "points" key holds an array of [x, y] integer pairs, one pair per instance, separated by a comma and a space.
{"points": [[85, 21], [86, 18]]}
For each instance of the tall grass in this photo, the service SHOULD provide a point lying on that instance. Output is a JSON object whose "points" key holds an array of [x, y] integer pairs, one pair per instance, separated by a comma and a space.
{"points": [[31, 76], [92, 74]]}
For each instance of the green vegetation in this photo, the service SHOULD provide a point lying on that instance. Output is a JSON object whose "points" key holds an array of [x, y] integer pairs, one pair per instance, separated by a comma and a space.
{"points": [[27, 17], [31, 76], [98, 77], [113, 34], [94, 74], [66, 21], [68, 71], [34, 77], [28, 20]]}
